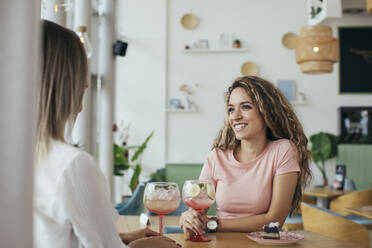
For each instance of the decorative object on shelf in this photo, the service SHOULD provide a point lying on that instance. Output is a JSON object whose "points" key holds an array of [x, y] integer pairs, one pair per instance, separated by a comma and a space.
{"points": [[316, 49], [189, 21], [249, 69], [83, 35], [237, 43], [201, 44], [204, 44], [355, 125], [226, 40], [289, 40], [355, 59], [323, 147], [175, 103], [186, 90], [288, 88], [301, 98]]}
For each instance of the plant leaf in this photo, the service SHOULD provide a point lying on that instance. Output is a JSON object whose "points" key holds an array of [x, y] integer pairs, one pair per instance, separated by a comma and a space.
{"points": [[135, 177], [321, 147], [120, 160], [142, 147]]}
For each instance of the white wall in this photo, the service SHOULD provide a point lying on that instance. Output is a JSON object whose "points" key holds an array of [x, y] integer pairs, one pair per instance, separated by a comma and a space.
{"points": [[141, 75], [259, 24]]}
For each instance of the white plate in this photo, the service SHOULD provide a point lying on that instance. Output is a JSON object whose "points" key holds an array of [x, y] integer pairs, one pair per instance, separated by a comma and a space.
{"points": [[286, 238]]}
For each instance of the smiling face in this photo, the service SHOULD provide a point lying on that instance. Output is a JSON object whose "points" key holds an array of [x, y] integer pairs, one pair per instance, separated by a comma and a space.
{"points": [[244, 118]]}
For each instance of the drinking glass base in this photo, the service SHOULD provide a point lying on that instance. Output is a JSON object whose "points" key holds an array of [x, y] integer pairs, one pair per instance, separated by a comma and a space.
{"points": [[198, 238]]}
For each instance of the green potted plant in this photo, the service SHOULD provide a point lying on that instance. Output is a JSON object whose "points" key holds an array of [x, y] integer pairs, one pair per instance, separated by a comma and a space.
{"points": [[123, 162], [323, 148], [237, 43]]}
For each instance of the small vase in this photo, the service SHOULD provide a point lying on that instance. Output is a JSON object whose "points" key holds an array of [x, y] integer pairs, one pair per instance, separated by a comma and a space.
{"points": [[236, 45]]}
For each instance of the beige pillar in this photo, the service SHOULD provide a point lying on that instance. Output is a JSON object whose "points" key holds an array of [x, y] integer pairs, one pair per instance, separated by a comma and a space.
{"points": [[19, 67]]}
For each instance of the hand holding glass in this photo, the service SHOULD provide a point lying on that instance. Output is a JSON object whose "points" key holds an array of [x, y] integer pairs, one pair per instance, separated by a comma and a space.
{"points": [[199, 195]]}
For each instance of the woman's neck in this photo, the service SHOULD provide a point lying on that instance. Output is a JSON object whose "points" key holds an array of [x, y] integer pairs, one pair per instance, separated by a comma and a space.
{"points": [[250, 149]]}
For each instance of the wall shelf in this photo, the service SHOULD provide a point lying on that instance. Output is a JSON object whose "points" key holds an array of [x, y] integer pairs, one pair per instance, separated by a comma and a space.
{"points": [[218, 50], [181, 110]]}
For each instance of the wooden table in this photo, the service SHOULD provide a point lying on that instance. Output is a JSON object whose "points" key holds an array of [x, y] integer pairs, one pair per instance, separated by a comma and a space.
{"points": [[323, 195], [223, 240], [365, 211]]}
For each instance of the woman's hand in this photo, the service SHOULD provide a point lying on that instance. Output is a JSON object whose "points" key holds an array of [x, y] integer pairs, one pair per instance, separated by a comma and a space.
{"points": [[142, 233], [192, 222], [154, 242]]}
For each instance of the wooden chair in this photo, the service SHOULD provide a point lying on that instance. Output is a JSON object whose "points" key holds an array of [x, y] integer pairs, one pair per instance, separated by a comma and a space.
{"points": [[334, 225], [355, 199]]}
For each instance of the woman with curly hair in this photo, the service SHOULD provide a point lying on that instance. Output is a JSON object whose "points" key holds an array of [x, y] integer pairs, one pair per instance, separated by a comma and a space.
{"points": [[259, 163]]}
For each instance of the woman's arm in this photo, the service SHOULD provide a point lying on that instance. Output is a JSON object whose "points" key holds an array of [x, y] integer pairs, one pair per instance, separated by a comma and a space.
{"points": [[283, 190], [83, 199]]}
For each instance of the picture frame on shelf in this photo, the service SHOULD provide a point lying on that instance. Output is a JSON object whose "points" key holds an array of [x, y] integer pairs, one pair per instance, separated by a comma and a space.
{"points": [[355, 125], [175, 103], [288, 88], [204, 44]]}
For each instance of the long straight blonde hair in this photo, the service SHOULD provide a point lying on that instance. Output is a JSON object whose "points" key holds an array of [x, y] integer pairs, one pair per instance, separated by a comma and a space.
{"points": [[64, 77], [280, 120]]}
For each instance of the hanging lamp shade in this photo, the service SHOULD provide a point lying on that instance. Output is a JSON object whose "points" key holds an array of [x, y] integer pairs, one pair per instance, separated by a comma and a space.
{"points": [[316, 49]]}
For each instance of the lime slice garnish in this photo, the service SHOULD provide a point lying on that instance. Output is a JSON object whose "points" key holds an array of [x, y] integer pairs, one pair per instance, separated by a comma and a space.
{"points": [[193, 190], [210, 192]]}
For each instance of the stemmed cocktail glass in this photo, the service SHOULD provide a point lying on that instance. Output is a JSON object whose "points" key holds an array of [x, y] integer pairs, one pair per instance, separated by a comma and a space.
{"points": [[161, 198], [199, 195]]}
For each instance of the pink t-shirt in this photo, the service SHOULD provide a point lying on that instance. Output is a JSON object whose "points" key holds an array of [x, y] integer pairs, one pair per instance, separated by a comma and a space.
{"points": [[245, 189]]}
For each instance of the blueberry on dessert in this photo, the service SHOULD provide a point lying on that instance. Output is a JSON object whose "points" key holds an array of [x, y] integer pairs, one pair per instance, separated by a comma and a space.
{"points": [[271, 231]]}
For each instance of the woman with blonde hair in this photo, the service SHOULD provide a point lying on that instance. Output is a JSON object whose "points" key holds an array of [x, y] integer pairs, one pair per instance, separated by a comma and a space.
{"points": [[259, 162], [72, 206]]}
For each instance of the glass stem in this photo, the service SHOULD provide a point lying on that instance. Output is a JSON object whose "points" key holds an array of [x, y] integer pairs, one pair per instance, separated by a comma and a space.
{"points": [[161, 224]]}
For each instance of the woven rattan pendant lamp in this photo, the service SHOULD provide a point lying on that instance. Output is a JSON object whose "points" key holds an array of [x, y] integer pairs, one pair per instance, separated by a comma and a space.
{"points": [[316, 49]]}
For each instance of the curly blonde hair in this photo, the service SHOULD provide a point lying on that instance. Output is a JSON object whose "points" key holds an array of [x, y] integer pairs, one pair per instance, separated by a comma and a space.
{"points": [[280, 120]]}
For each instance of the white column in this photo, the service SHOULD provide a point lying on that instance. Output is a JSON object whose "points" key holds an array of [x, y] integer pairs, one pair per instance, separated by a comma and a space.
{"points": [[82, 129], [54, 10], [106, 74], [19, 67]]}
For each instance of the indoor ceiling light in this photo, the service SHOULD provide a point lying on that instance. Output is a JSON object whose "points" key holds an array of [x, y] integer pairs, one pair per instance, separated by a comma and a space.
{"points": [[316, 49]]}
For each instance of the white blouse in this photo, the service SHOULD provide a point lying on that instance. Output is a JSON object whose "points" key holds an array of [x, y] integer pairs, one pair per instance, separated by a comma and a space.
{"points": [[72, 207]]}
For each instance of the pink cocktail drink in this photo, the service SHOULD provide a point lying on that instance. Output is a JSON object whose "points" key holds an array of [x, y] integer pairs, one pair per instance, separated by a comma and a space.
{"points": [[199, 195], [161, 198], [162, 207], [202, 201]]}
